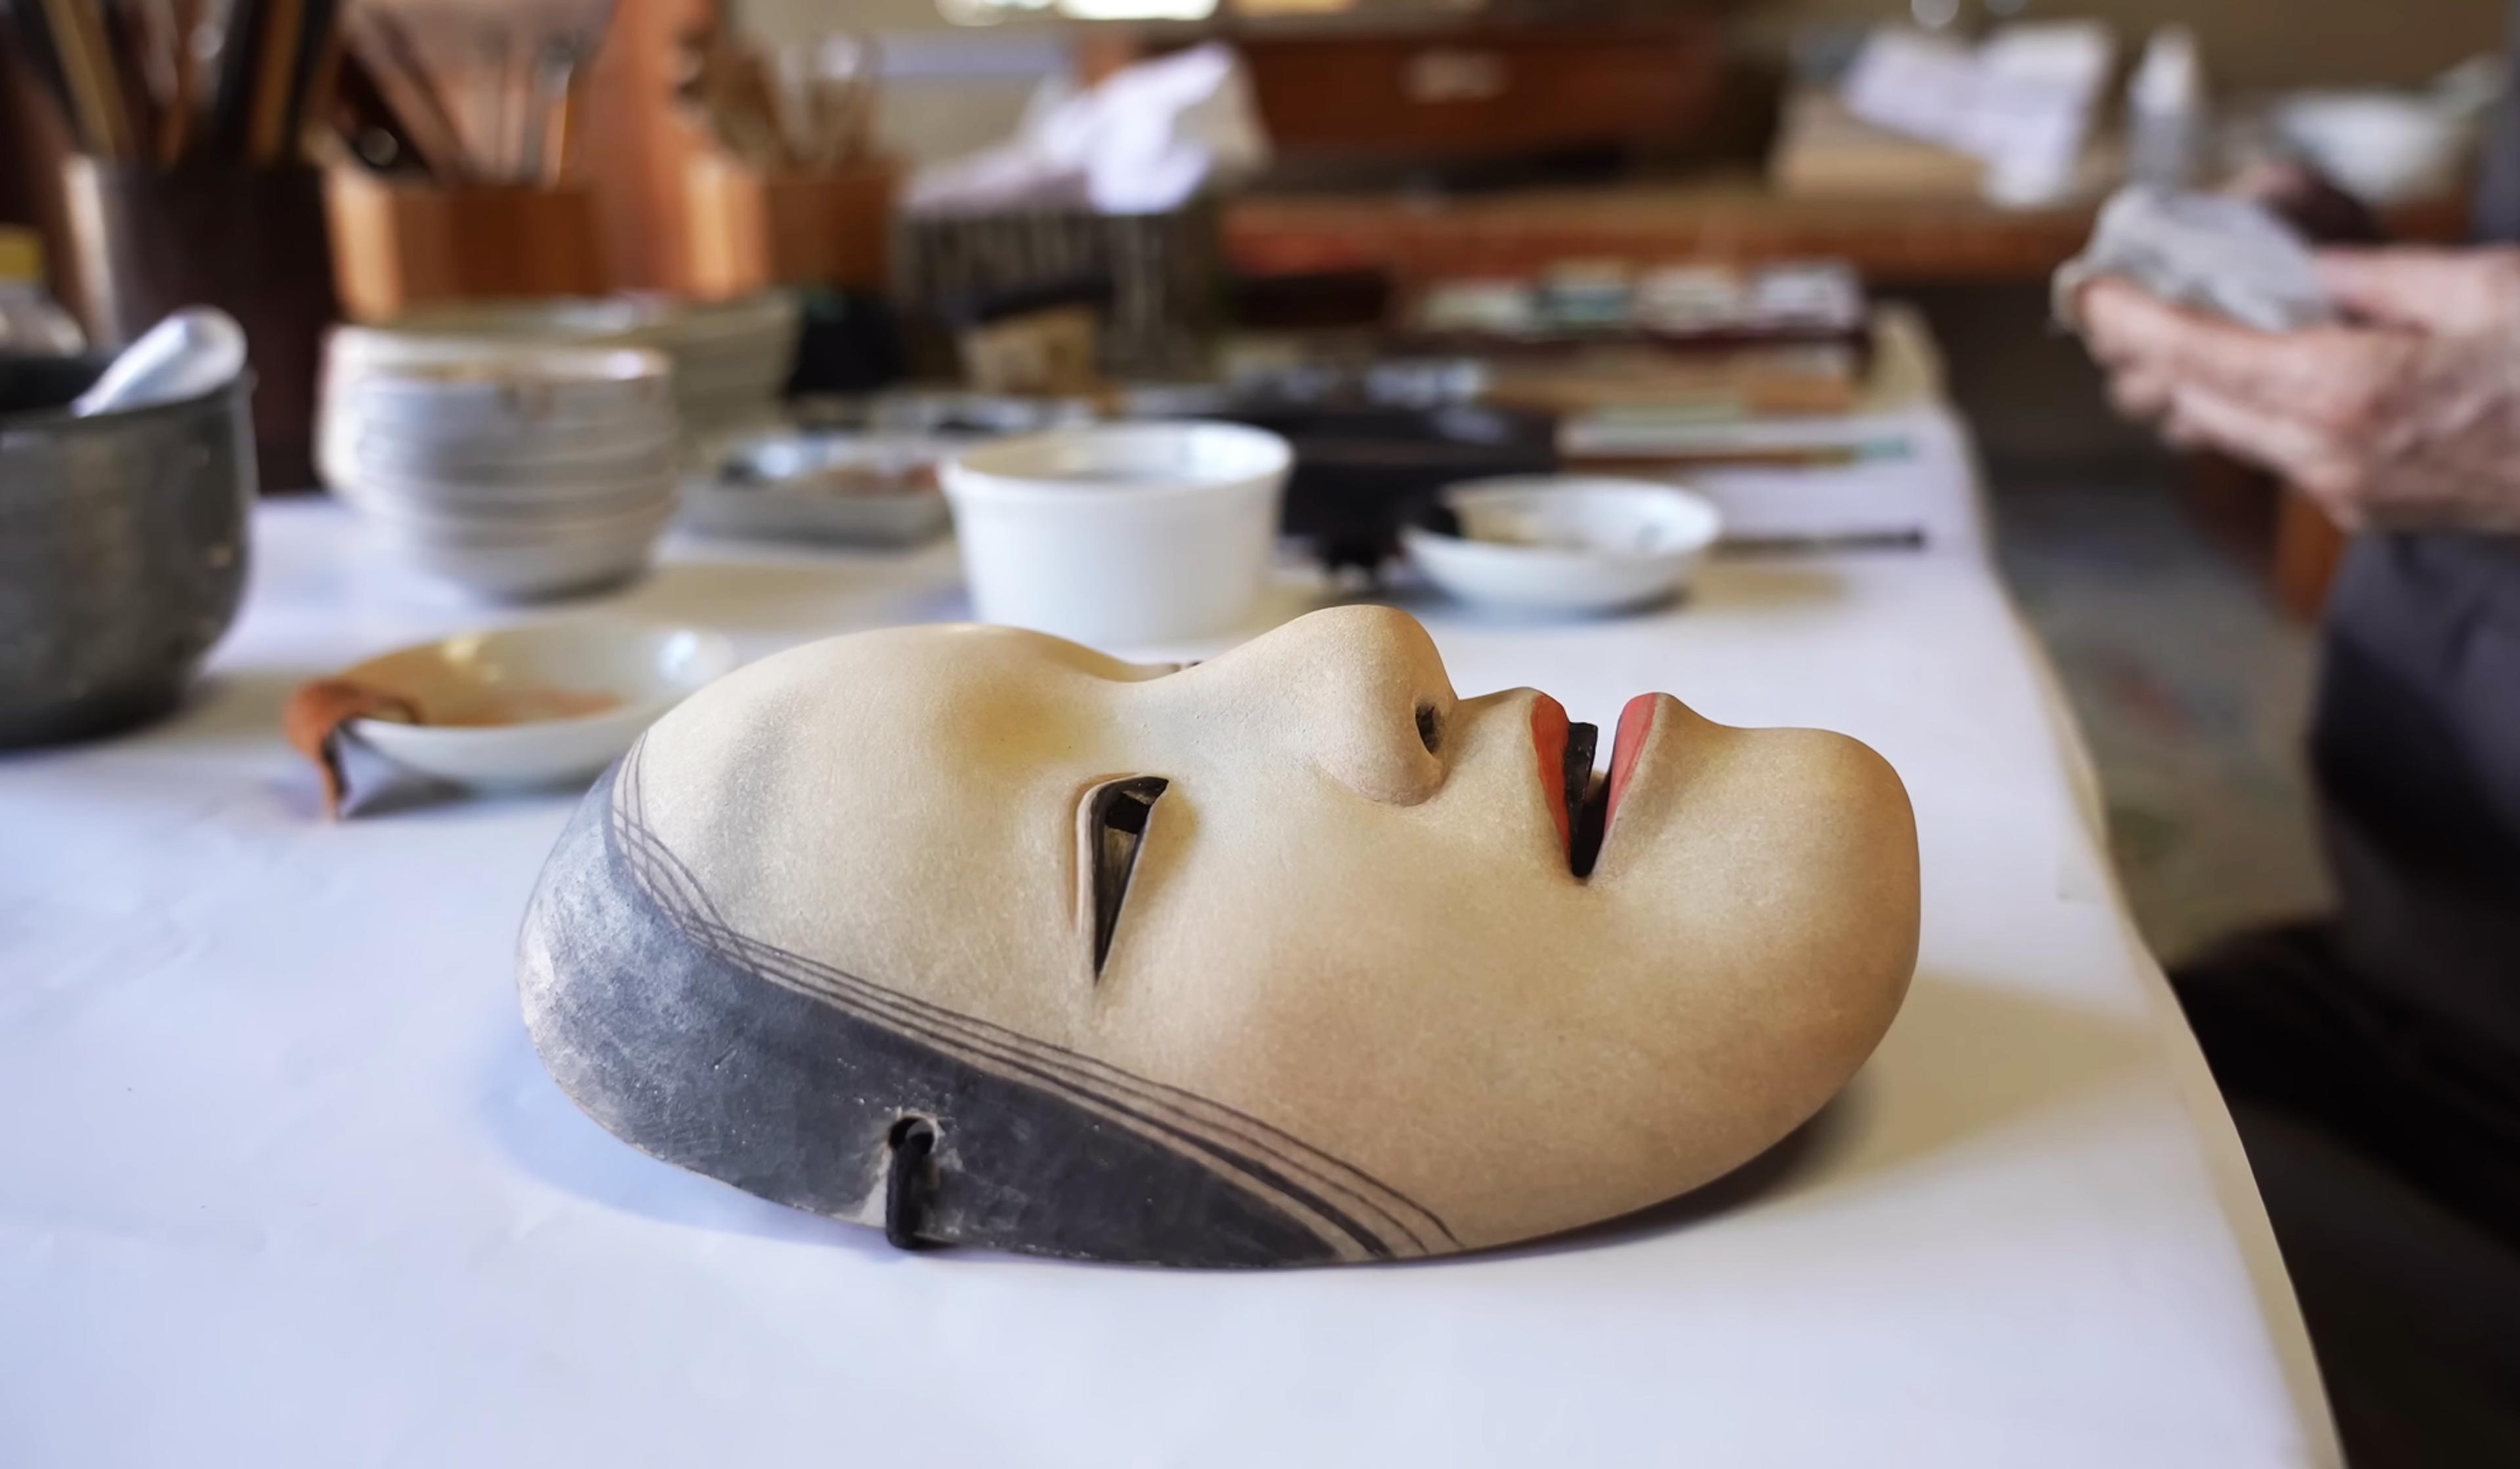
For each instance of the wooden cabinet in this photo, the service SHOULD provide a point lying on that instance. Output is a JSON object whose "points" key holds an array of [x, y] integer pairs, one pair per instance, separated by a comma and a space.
{"points": [[1485, 92]]}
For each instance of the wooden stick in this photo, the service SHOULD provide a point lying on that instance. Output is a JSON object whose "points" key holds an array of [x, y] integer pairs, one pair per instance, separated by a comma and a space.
{"points": [[78, 36], [176, 126], [240, 57], [126, 47], [404, 83], [319, 62], [283, 35], [34, 44]]}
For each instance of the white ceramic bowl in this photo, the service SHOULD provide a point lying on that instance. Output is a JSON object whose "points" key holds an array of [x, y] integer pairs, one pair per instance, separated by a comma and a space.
{"points": [[348, 450], [494, 515], [522, 566], [490, 516], [550, 669], [2382, 147], [513, 397], [1564, 543], [495, 489], [1120, 535], [418, 403], [606, 320], [736, 354], [556, 452]]}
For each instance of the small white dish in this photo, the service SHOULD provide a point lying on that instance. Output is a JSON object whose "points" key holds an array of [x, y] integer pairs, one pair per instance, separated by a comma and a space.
{"points": [[799, 485], [2382, 147], [1566, 543], [536, 704]]}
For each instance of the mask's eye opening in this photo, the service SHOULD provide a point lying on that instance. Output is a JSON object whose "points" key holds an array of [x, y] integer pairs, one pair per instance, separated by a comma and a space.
{"points": [[1430, 727], [1116, 817]]}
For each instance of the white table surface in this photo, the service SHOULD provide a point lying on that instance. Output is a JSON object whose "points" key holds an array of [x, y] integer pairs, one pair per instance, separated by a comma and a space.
{"points": [[283, 1184]]}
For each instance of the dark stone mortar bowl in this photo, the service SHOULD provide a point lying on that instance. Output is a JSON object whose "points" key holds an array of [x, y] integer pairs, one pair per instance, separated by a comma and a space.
{"points": [[122, 549]]}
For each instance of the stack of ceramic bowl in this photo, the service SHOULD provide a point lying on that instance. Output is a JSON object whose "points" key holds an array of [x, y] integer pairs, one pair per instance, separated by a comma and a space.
{"points": [[731, 358], [516, 472]]}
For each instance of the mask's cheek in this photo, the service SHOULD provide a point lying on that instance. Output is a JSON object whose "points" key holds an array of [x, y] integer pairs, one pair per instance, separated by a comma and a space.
{"points": [[1279, 898], [1777, 870], [915, 849]]}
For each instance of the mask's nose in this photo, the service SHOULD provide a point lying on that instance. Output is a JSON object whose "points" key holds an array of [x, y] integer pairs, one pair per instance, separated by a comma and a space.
{"points": [[1358, 692]]}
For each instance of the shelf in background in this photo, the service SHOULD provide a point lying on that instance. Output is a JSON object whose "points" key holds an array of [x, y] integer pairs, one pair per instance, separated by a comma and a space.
{"points": [[1522, 232]]}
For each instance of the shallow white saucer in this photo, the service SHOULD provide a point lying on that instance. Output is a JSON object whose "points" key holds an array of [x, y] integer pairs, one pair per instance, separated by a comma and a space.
{"points": [[548, 668], [1566, 543]]}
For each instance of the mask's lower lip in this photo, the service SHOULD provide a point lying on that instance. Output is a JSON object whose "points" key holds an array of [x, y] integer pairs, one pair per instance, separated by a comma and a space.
{"points": [[1635, 722]]}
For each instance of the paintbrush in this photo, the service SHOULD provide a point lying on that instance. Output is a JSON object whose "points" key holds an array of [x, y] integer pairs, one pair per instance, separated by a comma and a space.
{"points": [[32, 42], [87, 64], [284, 23], [192, 35], [126, 50], [405, 83], [566, 48], [374, 133], [319, 61], [232, 98]]}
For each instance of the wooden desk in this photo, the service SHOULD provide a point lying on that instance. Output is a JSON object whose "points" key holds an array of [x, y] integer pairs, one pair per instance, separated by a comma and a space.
{"points": [[1892, 241]]}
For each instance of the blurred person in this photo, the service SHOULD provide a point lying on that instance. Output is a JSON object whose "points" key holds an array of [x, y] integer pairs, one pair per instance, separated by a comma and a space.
{"points": [[2372, 1059]]}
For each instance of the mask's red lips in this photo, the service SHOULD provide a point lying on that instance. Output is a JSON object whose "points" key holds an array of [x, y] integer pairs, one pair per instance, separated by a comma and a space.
{"points": [[1581, 808]]}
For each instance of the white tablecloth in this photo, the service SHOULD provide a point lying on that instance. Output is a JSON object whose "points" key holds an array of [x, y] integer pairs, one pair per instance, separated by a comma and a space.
{"points": [[282, 1182]]}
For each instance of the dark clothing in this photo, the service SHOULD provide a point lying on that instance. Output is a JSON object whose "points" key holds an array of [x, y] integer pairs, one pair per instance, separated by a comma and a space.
{"points": [[2416, 749], [2373, 1062], [2497, 193]]}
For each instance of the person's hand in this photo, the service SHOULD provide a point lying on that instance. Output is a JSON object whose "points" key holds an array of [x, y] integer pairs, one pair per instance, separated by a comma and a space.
{"points": [[2407, 417]]}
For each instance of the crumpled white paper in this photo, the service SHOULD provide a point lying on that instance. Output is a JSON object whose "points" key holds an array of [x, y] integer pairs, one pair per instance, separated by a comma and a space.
{"points": [[2208, 250], [2023, 101], [1144, 141]]}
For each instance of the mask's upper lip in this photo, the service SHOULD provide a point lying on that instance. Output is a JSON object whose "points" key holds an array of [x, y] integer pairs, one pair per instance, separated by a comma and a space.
{"points": [[1550, 732]]}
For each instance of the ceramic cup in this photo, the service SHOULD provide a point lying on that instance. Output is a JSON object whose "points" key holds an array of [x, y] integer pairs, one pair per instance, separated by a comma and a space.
{"points": [[1120, 535]]}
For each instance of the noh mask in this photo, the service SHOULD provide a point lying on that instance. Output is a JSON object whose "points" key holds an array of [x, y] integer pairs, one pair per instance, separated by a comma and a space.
{"points": [[1292, 956]]}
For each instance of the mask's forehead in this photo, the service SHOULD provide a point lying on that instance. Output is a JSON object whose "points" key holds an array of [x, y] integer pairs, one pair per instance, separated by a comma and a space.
{"points": [[882, 707]]}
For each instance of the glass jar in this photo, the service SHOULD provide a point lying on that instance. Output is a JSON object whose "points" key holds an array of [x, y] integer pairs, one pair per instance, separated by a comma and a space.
{"points": [[31, 323]]}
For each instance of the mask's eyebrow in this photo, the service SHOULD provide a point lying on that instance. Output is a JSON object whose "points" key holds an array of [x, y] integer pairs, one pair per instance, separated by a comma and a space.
{"points": [[1117, 816]]}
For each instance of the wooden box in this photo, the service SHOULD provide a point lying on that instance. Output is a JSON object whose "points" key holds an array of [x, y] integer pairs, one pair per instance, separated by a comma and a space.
{"points": [[397, 244], [748, 228], [1485, 91]]}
